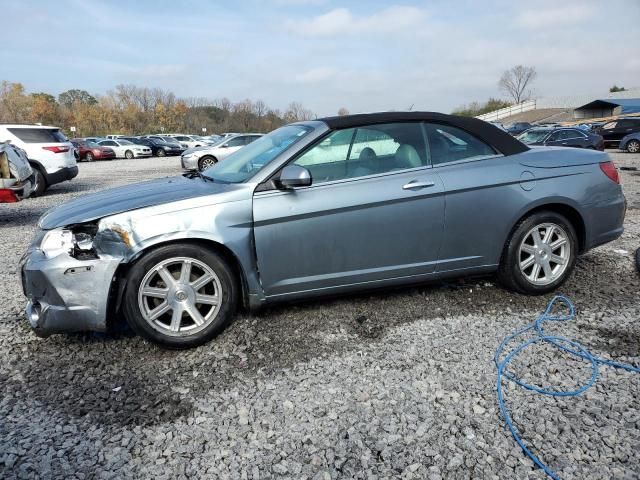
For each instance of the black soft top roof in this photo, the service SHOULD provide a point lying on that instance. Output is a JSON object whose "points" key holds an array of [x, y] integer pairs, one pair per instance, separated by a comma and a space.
{"points": [[501, 140]]}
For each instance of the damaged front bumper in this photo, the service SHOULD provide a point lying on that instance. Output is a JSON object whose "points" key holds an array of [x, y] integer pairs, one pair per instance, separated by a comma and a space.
{"points": [[66, 294]]}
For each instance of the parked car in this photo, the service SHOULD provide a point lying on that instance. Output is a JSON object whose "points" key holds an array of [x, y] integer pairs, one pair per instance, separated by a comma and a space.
{"points": [[321, 207], [126, 149], [204, 157], [499, 125], [16, 175], [614, 131], [160, 148], [94, 139], [562, 137], [50, 154], [113, 137], [89, 151], [631, 143], [517, 128], [190, 141], [169, 141]]}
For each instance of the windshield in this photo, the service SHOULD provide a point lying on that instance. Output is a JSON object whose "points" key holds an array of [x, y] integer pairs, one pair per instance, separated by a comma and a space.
{"points": [[91, 144], [533, 136], [246, 162], [124, 142]]}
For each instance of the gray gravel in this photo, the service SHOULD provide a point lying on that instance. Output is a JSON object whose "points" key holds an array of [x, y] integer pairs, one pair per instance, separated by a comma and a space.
{"points": [[394, 384]]}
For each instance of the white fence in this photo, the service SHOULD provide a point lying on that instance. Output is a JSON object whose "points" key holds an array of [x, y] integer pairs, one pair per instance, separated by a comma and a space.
{"points": [[508, 111]]}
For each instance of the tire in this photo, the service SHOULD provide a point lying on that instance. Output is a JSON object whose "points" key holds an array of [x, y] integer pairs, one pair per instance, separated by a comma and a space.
{"points": [[88, 157], [177, 301], [161, 153], [206, 162], [519, 251], [128, 154], [633, 146], [40, 183]]}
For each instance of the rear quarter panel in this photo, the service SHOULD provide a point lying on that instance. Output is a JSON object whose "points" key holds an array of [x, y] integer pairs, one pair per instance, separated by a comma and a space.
{"points": [[486, 198]]}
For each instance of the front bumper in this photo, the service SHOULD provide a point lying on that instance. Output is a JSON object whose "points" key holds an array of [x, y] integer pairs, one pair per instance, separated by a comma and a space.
{"points": [[65, 294], [142, 154], [189, 163]]}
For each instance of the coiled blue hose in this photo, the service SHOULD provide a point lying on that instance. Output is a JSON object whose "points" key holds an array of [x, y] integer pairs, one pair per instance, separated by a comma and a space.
{"points": [[564, 344]]}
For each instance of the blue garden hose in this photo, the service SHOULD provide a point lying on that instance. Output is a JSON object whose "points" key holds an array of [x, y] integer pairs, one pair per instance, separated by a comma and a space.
{"points": [[564, 344]]}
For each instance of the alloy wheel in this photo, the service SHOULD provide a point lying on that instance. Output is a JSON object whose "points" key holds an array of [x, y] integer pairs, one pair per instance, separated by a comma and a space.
{"points": [[206, 163], [633, 146], [180, 296], [544, 254]]}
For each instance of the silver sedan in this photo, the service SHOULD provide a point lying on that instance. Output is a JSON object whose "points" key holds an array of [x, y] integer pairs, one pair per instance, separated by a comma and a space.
{"points": [[314, 208]]}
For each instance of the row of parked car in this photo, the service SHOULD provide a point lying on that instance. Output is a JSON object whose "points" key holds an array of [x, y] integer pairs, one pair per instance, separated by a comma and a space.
{"points": [[34, 157], [623, 133]]}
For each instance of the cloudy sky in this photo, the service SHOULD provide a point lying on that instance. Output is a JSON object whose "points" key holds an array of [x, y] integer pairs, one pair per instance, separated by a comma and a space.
{"points": [[363, 55]]}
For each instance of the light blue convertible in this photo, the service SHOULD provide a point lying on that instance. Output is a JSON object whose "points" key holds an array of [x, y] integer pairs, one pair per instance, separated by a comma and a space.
{"points": [[317, 208]]}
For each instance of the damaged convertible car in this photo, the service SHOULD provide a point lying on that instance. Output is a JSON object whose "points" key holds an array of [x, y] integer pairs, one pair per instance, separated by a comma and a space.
{"points": [[318, 208]]}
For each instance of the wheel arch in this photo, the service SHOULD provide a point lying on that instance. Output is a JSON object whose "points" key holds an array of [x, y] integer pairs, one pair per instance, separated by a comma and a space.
{"points": [[119, 282], [570, 212]]}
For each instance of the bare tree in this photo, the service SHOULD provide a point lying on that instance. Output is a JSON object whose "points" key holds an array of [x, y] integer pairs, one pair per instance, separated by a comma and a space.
{"points": [[343, 111], [515, 81]]}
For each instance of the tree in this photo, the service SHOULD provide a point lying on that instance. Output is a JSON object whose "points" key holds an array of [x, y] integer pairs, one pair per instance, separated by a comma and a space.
{"points": [[515, 81], [616, 88], [44, 108], [70, 97], [296, 113], [474, 108], [15, 106], [343, 111]]}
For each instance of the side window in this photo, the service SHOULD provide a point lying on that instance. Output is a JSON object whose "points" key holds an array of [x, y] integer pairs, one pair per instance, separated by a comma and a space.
{"points": [[609, 126], [569, 134], [236, 142], [109, 143], [554, 137], [448, 144], [251, 138], [358, 152]]}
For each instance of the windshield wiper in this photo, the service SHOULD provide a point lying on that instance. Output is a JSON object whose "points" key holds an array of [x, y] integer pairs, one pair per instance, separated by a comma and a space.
{"points": [[198, 174]]}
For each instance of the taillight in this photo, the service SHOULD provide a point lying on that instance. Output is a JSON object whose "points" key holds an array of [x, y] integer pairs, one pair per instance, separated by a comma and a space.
{"points": [[57, 149], [610, 170]]}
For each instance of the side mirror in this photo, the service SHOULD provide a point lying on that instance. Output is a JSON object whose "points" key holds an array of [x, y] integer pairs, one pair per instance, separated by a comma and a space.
{"points": [[294, 176]]}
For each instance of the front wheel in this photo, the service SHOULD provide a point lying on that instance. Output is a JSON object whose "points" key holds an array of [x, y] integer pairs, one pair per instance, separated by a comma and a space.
{"points": [[89, 157], [160, 152], [128, 154], [180, 296], [540, 254], [206, 162], [633, 146]]}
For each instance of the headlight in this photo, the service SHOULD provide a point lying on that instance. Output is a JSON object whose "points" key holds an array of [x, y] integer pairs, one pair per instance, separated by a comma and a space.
{"points": [[59, 241]]}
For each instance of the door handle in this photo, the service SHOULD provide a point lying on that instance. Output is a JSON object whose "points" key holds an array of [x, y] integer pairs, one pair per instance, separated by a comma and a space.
{"points": [[415, 185]]}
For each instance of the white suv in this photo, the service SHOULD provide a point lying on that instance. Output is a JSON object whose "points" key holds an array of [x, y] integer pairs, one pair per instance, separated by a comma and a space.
{"points": [[50, 153]]}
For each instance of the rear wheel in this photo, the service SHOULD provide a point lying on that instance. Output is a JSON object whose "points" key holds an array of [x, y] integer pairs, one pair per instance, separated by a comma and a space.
{"points": [[633, 146], [540, 254], [128, 154], [180, 296], [40, 183], [206, 162], [89, 157], [160, 152]]}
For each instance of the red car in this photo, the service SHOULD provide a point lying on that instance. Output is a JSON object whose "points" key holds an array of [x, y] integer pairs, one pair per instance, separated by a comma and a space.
{"points": [[89, 151]]}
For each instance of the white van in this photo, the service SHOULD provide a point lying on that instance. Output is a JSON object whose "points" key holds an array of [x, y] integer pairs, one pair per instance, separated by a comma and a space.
{"points": [[50, 153]]}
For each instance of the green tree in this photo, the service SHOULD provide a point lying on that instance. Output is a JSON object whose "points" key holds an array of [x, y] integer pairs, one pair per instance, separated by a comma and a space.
{"points": [[616, 88], [73, 96]]}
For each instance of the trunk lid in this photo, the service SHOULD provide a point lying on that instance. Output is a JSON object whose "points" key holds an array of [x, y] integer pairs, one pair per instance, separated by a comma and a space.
{"points": [[557, 157]]}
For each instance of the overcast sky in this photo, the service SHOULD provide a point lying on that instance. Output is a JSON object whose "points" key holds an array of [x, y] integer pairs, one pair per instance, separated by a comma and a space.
{"points": [[363, 55]]}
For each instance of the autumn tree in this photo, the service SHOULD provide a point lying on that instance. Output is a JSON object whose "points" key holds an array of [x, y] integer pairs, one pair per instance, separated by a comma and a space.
{"points": [[515, 81], [15, 106]]}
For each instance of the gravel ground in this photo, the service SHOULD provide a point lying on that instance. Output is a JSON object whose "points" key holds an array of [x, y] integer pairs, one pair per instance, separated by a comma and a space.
{"points": [[394, 384]]}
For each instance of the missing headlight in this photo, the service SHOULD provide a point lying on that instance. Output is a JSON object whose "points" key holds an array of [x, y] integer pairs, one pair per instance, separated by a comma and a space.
{"points": [[83, 236]]}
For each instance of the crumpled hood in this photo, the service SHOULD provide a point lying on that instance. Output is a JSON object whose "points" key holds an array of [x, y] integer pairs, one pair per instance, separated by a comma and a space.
{"points": [[130, 197]]}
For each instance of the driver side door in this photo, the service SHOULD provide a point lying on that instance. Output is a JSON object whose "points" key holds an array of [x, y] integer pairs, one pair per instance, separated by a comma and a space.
{"points": [[373, 215]]}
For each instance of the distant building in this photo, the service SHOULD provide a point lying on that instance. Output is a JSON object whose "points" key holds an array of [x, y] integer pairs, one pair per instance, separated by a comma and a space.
{"points": [[607, 107]]}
